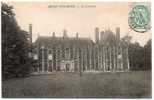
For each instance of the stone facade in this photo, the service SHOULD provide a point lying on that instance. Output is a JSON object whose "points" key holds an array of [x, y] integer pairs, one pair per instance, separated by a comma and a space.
{"points": [[107, 54]]}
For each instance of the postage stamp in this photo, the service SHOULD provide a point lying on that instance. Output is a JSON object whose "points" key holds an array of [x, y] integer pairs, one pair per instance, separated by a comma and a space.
{"points": [[139, 18]]}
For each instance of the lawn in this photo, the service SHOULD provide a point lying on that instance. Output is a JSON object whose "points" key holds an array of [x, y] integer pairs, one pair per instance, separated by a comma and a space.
{"points": [[107, 85]]}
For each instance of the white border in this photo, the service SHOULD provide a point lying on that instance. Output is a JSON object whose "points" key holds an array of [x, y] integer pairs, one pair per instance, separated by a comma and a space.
{"points": [[78, 0], [152, 7]]}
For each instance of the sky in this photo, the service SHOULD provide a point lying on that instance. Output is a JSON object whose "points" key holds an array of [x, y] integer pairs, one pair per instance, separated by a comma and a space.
{"points": [[49, 17]]}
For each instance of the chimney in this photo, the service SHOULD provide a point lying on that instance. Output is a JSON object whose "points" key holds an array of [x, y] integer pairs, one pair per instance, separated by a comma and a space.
{"points": [[77, 35], [30, 39], [53, 34], [64, 33], [97, 35], [118, 33], [30, 32], [101, 36]]}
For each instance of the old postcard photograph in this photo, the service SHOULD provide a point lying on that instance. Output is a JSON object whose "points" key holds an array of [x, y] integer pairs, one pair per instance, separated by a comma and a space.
{"points": [[76, 49]]}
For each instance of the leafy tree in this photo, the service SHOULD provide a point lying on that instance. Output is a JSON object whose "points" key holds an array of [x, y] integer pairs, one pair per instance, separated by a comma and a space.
{"points": [[126, 39], [147, 56], [139, 57], [15, 46], [135, 56]]}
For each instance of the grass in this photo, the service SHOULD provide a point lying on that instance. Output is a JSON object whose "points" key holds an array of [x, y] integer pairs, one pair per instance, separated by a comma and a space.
{"points": [[107, 85]]}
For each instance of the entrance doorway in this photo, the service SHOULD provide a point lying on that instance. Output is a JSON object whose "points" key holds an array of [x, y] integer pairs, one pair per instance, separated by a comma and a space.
{"points": [[67, 67]]}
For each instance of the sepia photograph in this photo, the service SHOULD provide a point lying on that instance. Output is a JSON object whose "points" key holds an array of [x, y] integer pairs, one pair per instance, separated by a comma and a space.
{"points": [[76, 49]]}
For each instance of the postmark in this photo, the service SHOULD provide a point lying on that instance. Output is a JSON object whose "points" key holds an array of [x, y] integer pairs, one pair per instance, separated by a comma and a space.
{"points": [[139, 18]]}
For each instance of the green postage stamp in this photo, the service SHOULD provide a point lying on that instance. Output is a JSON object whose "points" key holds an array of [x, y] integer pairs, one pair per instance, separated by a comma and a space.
{"points": [[139, 18]]}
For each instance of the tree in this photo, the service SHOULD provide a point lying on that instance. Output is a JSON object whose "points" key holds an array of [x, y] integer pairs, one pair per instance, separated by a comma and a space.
{"points": [[147, 56], [127, 39], [15, 46], [135, 56], [139, 57]]}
